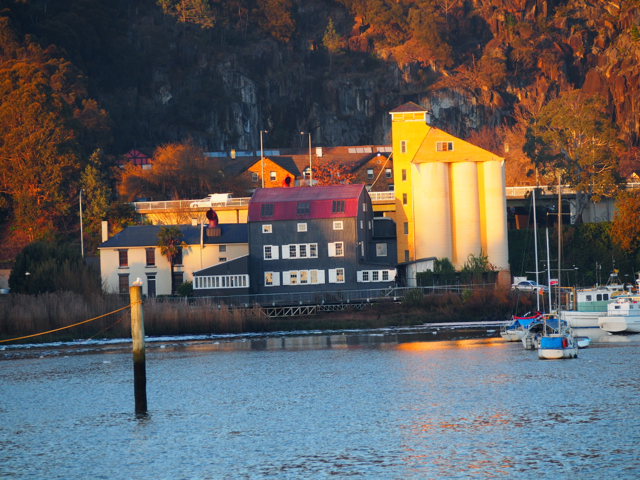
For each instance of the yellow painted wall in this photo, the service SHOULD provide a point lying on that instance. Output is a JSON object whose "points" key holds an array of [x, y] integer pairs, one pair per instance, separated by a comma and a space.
{"points": [[454, 209], [269, 167]]}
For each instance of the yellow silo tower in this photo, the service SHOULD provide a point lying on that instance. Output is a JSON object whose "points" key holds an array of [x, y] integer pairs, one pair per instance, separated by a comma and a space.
{"points": [[450, 194]]}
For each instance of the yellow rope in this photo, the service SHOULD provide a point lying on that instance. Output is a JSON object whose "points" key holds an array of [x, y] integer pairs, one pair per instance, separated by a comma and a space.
{"points": [[69, 326]]}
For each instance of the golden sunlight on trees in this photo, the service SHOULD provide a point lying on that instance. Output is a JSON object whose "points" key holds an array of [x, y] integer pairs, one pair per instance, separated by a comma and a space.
{"points": [[625, 227], [178, 171], [331, 41], [574, 141], [332, 174]]}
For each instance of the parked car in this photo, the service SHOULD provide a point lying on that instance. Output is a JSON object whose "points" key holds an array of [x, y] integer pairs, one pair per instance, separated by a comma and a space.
{"points": [[213, 200], [529, 286]]}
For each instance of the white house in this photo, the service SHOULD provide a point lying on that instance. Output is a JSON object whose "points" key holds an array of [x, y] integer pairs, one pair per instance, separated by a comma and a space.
{"points": [[133, 253]]}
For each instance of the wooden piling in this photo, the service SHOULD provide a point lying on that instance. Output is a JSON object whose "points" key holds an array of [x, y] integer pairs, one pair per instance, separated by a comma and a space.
{"points": [[137, 334]]}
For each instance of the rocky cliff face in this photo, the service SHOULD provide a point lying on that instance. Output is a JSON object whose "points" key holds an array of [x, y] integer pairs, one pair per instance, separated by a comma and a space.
{"points": [[223, 97]]}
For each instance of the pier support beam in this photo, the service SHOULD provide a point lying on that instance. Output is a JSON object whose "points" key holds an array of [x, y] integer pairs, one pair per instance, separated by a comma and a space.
{"points": [[137, 334]]}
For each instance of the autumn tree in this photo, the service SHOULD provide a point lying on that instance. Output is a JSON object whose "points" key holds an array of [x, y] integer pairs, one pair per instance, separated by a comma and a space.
{"points": [[625, 228], [574, 141], [178, 171], [331, 41], [170, 243], [332, 173], [96, 198]]}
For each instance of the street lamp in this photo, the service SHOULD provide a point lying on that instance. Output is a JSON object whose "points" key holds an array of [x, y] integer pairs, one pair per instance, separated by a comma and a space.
{"points": [[81, 236], [262, 155], [310, 169]]}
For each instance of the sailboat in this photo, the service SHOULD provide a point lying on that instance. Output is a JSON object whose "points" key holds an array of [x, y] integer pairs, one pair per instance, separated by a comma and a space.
{"points": [[562, 344]]}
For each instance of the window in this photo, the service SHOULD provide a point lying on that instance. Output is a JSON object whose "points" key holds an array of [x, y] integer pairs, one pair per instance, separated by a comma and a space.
{"points": [[123, 256], [177, 281], [222, 248], [178, 258], [293, 251], [369, 172], [227, 281], [302, 227], [365, 276], [151, 285], [222, 259], [270, 252], [271, 279], [293, 278], [385, 275], [305, 173], [338, 225], [404, 175], [362, 248], [369, 224], [381, 249], [361, 224], [598, 297], [267, 229], [254, 177], [391, 187], [302, 250], [272, 176], [403, 146], [404, 199], [123, 283], [364, 207], [406, 228], [266, 210], [588, 296], [303, 208], [336, 249], [444, 146], [337, 206], [388, 173], [313, 250], [304, 277], [151, 257], [406, 255], [375, 276], [605, 296], [340, 275]]}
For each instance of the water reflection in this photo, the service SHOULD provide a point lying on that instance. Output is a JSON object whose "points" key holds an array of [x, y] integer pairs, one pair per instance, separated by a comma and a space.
{"points": [[394, 403]]}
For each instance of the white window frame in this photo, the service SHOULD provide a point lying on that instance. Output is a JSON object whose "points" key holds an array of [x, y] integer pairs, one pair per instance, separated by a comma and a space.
{"points": [[273, 176], [381, 249], [275, 279], [333, 275], [220, 281], [336, 249], [302, 227], [338, 225], [369, 172], [267, 229], [388, 173], [274, 252], [440, 146]]}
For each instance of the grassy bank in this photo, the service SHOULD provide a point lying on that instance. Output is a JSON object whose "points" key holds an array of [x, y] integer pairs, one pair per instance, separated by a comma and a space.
{"points": [[22, 315]]}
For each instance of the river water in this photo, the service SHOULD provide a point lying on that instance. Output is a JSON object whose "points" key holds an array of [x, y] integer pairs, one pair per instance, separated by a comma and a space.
{"points": [[409, 403]]}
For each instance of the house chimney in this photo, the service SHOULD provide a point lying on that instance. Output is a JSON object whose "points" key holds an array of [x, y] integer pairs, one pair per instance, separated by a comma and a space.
{"points": [[194, 222], [105, 231]]}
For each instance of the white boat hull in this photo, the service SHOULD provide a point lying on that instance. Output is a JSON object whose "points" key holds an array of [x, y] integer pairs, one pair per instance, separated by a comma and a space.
{"points": [[556, 347], [581, 319], [510, 335], [621, 324]]}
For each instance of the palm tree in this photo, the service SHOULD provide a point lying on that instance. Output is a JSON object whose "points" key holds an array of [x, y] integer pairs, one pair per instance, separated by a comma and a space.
{"points": [[170, 243]]}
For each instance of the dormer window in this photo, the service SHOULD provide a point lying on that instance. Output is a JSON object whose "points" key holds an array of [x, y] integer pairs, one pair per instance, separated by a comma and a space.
{"points": [[266, 210], [303, 208], [444, 146]]}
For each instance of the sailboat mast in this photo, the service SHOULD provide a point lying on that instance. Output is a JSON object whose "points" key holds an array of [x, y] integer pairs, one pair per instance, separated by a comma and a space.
{"points": [[535, 243], [548, 269], [559, 298]]}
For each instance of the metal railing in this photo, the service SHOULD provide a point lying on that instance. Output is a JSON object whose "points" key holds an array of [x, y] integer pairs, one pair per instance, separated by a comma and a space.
{"points": [[382, 196], [332, 297], [185, 204]]}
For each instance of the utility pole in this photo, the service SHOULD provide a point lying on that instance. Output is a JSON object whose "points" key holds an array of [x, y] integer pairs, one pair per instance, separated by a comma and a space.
{"points": [[81, 235], [262, 155]]}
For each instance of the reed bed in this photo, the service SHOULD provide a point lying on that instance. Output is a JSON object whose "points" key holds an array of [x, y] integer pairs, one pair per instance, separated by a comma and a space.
{"points": [[22, 315]]}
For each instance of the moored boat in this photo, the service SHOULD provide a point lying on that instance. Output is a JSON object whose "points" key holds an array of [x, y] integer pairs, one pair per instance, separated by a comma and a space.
{"points": [[516, 330], [623, 315], [557, 346]]}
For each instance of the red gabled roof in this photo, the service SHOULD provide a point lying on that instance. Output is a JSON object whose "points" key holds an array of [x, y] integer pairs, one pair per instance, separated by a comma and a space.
{"points": [[321, 199], [409, 107]]}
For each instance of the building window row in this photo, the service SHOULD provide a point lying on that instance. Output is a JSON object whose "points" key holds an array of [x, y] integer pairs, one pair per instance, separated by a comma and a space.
{"points": [[221, 281], [266, 210], [300, 250], [375, 275], [303, 277], [444, 146], [337, 206]]}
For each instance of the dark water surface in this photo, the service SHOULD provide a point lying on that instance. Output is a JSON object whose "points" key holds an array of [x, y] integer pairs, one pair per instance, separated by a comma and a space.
{"points": [[388, 404]]}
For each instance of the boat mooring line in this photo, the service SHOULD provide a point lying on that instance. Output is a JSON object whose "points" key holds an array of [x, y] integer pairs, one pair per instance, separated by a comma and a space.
{"points": [[70, 326]]}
